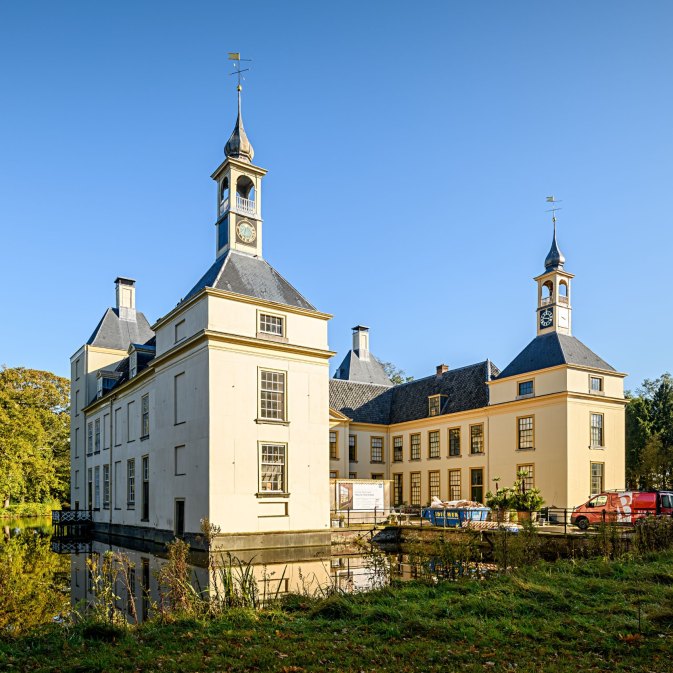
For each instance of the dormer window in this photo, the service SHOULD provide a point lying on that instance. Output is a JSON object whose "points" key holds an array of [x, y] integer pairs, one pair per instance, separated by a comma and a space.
{"points": [[525, 389], [133, 364], [105, 382], [435, 403]]}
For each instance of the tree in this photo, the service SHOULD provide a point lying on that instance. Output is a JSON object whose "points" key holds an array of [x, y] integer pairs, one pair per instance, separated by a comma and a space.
{"points": [[34, 435], [395, 374], [649, 434]]}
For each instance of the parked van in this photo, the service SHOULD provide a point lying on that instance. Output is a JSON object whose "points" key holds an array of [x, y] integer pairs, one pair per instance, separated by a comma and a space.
{"points": [[622, 507]]}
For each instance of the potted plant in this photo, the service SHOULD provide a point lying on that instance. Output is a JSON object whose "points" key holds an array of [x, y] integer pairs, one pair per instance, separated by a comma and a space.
{"points": [[500, 501], [526, 501]]}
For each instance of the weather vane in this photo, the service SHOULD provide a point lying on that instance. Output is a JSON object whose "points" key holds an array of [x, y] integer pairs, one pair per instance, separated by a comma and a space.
{"points": [[236, 57], [553, 209]]}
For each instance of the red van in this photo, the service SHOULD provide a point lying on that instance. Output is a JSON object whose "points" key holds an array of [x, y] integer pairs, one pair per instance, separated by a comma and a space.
{"points": [[622, 507]]}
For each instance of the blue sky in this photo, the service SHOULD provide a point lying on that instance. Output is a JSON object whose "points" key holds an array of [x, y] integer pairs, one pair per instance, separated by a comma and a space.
{"points": [[410, 147]]}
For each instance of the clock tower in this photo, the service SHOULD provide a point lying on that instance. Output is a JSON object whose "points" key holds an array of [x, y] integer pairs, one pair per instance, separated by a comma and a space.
{"points": [[553, 293], [239, 195]]}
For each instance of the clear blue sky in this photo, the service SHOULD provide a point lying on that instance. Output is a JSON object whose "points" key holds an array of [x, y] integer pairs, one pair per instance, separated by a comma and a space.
{"points": [[410, 147]]}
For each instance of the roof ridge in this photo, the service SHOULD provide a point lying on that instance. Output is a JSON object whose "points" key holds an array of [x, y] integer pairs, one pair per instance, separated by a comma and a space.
{"points": [[449, 371], [361, 383]]}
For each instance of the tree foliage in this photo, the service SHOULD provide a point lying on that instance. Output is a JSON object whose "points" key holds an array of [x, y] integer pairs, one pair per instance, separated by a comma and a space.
{"points": [[395, 374], [34, 435], [649, 435]]}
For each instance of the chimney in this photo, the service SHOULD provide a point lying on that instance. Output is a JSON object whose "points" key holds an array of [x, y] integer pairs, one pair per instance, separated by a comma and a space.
{"points": [[126, 298], [442, 369], [361, 342]]}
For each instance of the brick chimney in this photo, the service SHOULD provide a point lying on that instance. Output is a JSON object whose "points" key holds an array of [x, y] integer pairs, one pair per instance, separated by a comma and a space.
{"points": [[442, 369]]}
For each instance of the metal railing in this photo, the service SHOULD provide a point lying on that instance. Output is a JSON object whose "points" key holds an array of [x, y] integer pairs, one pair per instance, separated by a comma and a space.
{"points": [[66, 516]]}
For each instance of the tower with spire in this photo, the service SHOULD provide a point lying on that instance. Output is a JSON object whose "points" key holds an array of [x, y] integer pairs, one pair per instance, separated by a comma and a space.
{"points": [[239, 195], [553, 293]]}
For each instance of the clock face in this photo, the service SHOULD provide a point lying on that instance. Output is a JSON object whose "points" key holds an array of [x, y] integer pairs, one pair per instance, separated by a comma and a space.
{"points": [[546, 318], [246, 231]]}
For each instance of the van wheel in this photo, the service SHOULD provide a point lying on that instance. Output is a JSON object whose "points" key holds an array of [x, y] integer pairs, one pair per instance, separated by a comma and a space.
{"points": [[582, 523]]}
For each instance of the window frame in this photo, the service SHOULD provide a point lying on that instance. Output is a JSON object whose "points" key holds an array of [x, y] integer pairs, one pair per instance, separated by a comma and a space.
{"points": [[412, 447], [412, 476], [591, 477], [523, 382], [600, 415], [398, 451], [482, 485], [129, 421], [89, 438], [334, 455], [270, 314], [601, 381], [269, 419], [352, 449], [106, 485], [431, 474], [96, 488], [398, 489], [438, 454], [284, 491], [131, 483], [519, 430], [483, 440], [434, 405], [453, 471], [97, 438], [520, 467], [449, 431], [145, 416], [372, 460]]}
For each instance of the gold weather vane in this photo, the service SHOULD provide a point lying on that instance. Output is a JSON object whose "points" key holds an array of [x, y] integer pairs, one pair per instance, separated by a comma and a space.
{"points": [[236, 57], [553, 209]]}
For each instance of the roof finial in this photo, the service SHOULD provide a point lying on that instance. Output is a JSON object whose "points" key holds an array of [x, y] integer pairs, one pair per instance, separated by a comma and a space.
{"points": [[555, 259], [238, 146]]}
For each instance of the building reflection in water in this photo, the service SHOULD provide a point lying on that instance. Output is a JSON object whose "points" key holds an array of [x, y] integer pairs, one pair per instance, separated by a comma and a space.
{"points": [[309, 571]]}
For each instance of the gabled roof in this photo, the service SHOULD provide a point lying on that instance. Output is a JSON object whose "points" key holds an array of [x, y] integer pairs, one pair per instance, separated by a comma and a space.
{"points": [[464, 388], [551, 350], [252, 277], [115, 332], [353, 368]]}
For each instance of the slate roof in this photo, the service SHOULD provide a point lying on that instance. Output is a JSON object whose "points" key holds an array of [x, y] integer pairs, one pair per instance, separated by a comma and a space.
{"points": [[113, 332], [250, 276], [365, 371], [465, 388], [362, 402], [550, 350]]}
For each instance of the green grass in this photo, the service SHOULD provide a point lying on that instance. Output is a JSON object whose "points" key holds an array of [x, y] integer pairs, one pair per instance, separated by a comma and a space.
{"points": [[565, 616]]}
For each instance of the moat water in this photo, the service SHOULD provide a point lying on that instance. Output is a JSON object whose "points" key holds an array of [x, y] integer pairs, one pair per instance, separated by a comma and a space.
{"points": [[44, 579]]}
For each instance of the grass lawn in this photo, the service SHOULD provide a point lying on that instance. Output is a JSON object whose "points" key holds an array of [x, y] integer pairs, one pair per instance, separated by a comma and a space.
{"points": [[566, 616]]}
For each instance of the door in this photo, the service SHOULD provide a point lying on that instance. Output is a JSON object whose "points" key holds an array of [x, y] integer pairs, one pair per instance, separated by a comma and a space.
{"points": [[179, 517]]}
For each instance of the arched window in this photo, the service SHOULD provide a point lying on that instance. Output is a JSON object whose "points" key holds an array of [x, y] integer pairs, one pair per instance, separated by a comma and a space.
{"points": [[547, 291], [563, 289], [245, 188], [224, 190]]}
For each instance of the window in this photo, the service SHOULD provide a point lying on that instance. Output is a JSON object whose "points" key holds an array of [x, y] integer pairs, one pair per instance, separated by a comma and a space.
{"points": [[77, 403], [89, 439], [118, 426], [416, 488], [97, 434], [377, 475], [596, 384], [527, 475], [454, 485], [131, 483], [133, 364], [76, 484], [398, 489], [376, 449], [96, 486], [454, 441], [526, 433], [477, 484], [146, 488], [525, 388], [352, 475], [77, 369], [434, 405], [597, 477], [477, 438], [272, 395], [397, 449], [179, 393], [145, 410], [130, 416], [76, 443], [106, 431], [118, 484], [180, 331], [333, 445], [334, 474], [271, 324], [433, 444], [353, 448], [415, 451], [597, 430], [106, 486], [272, 469], [180, 458], [433, 483], [90, 489]]}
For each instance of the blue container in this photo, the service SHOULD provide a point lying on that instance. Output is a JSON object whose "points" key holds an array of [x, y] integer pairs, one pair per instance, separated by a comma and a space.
{"points": [[454, 517]]}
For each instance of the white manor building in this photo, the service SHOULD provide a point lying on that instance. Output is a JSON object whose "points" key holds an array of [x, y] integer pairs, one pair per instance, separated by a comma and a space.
{"points": [[223, 408]]}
